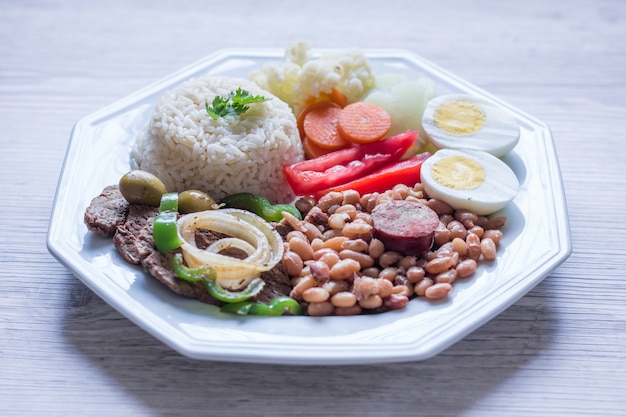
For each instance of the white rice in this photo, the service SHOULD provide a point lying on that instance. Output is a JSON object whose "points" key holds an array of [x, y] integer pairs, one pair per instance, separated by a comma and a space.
{"points": [[187, 149]]}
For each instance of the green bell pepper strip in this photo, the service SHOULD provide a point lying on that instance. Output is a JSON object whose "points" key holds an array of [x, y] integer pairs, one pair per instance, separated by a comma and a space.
{"points": [[276, 307], [207, 274], [169, 202], [165, 233], [164, 229], [260, 206]]}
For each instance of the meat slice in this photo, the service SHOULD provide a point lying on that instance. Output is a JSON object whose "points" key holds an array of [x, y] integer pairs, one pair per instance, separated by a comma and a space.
{"points": [[159, 266], [106, 212], [405, 226], [133, 239]]}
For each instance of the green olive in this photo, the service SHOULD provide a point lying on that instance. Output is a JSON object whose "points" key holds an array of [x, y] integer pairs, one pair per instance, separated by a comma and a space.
{"points": [[141, 187], [193, 201]]}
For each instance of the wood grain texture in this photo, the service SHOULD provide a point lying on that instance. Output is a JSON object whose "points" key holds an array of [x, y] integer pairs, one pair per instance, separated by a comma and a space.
{"points": [[559, 351]]}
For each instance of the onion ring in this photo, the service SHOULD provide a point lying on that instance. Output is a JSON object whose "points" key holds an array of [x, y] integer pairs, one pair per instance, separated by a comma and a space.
{"points": [[246, 231]]}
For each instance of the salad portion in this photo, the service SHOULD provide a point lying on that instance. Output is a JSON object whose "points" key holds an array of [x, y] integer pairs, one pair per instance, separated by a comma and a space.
{"points": [[314, 187]]}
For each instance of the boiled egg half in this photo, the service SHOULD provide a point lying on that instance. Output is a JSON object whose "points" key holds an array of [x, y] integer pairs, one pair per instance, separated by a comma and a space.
{"points": [[461, 121], [468, 179]]}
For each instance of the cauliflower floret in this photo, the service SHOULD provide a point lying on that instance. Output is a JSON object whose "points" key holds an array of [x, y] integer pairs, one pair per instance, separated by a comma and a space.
{"points": [[280, 79], [298, 79], [298, 53]]}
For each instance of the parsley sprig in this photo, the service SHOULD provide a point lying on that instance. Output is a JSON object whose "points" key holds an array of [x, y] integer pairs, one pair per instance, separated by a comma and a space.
{"points": [[236, 103]]}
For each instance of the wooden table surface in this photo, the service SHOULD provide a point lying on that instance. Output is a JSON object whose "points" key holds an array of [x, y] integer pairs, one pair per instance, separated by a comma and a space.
{"points": [[559, 351]]}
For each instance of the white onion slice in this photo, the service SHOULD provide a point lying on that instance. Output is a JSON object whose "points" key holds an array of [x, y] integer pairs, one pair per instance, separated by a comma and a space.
{"points": [[247, 232]]}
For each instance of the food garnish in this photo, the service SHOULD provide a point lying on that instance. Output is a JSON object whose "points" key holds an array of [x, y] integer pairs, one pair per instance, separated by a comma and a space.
{"points": [[234, 104]]}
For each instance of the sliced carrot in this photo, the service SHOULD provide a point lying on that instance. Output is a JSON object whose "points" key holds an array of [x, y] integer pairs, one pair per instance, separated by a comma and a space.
{"points": [[309, 107], [363, 122], [320, 127], [312, 151]]}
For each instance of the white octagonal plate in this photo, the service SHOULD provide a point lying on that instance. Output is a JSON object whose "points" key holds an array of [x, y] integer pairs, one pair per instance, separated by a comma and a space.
{"points": [[536, 240]]}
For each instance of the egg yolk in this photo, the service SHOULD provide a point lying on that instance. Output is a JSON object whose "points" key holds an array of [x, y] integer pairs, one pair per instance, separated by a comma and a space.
{"points": [[459, 117], [458, 172]]}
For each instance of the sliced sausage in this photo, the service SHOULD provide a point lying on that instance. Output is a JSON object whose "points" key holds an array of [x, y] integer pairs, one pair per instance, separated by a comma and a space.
{"points": [[405, 226]]}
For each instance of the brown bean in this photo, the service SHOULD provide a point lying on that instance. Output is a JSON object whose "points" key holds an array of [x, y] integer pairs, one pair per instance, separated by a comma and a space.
{"points": [[473, 246], [329, 199], [438, 291], [351, 197], [334, 286], [389, 258], [344, 269], [376, 248], [466, 217], [303, 284], [320, 271], [459, 246], [415, 274], [325, 308], [358, 245], [315, 295], [338, 221], [365, 286], [457, 229], [293, 263], [446, 218], [295, 233], [302, 248], [329, 258], [407, 262], [439, 265], [372, 271], [403, 290], [343, 299], [477, 230], [385, 288], [466, 268], [363, 259], [311, 231], [442, 234], [335, 243], [363, 216], [388, 273], [439, 206], [488, 249], [357, 229], [317, 244], [448, 276], [494, 235], [395, 302], [305, 204], [421, 287], [348, 209], [371, 302]]}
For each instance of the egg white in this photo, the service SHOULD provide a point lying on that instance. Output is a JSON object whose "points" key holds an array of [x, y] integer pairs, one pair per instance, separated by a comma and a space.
{"points": [[498, 135], [499, 187]]}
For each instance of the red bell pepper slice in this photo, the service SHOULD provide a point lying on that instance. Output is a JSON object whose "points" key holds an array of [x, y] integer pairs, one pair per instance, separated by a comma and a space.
{"points": [[345, 165], [407, 172]]}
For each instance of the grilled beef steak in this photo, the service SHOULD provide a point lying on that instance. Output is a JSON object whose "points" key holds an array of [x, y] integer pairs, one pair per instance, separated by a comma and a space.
{"points": [[130, 226]]}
